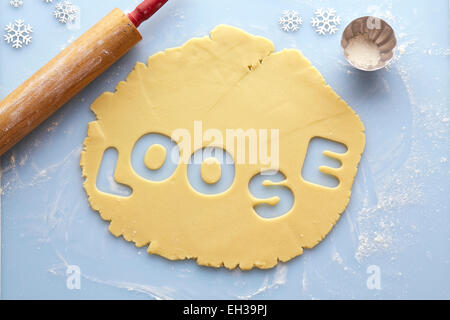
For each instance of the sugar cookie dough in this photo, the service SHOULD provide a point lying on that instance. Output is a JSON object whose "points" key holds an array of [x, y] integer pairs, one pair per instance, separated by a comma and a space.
{"points": [[229, 80]]}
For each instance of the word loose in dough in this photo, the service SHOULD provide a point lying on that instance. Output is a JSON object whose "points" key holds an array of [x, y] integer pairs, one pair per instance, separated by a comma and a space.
{"points": [[230, 80]]}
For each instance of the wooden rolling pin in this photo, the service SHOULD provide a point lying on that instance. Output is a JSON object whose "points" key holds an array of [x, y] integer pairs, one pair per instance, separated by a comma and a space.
{"points": [[70, 71]]}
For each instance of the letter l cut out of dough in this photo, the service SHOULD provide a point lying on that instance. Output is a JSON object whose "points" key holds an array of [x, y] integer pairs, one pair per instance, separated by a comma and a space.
{"points": [[229, 80]]}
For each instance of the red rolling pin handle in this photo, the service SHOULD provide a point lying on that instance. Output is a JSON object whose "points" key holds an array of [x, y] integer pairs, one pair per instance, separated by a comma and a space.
{"points": [[145, 10]]}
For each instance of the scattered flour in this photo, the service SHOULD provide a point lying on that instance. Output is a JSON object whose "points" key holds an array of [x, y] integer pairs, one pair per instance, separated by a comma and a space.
{"points": [[279, 278], [435, 51], [337, 258], [157, 293], [380, 222], [402, 47]]}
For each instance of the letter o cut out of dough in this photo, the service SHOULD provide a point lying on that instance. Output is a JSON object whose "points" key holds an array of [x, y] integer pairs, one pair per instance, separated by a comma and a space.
{"points": [[209, 79]]}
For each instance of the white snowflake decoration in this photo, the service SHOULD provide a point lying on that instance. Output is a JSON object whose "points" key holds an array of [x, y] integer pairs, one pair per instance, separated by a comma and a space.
{"points": [[290, 21], [18, 34], [48, 1], [65, 12], [16, 3], [326, 21]]}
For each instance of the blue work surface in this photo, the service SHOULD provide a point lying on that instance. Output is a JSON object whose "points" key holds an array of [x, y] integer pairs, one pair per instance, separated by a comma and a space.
{"points": [[393, 241]]}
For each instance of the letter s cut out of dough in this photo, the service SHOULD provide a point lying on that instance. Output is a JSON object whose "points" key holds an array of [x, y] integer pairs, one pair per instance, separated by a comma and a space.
{"points": [[230, 80]]}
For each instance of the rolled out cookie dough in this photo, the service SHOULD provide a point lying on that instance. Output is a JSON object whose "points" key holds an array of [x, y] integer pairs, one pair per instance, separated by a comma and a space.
{"points": [[229, 80]]}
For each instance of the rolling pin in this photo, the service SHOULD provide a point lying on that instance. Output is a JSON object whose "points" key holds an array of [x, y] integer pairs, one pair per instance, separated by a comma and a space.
{"points": [[70, 71]]}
